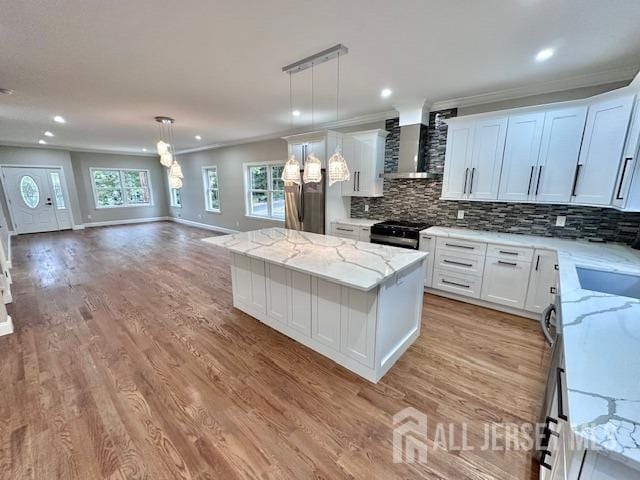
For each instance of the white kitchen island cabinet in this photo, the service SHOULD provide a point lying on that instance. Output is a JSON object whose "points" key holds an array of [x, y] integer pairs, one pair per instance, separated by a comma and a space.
{"points": [[357, 303]]}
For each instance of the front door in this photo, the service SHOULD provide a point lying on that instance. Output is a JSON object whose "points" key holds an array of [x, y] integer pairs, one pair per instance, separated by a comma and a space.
{"points": [[30, 199]]}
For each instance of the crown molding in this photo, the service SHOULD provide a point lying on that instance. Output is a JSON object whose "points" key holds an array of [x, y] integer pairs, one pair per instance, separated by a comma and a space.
{"points": [[619, 74], [349, 122], [65, 148]]}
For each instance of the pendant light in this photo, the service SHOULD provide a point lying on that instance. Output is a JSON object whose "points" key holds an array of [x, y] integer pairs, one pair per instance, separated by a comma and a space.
{"points": [[291, 170], [164, 148], [337, 169], [312, 165]]}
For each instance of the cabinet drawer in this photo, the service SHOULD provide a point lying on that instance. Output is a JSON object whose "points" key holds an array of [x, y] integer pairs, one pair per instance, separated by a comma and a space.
{"points": [[468, 285], [506, 281], [460, 246], [460, 263], [345, 231], [364, 234], [505, 252]]}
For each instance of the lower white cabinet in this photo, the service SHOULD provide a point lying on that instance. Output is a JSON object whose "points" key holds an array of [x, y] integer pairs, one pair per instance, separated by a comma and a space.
{"points": [[277, 293], [351, 231], [249, 282], [543, 281], [459, 283], [358, 323], [325, 312], [364, 234], [428, 244], [505, 281], [299, 300]]}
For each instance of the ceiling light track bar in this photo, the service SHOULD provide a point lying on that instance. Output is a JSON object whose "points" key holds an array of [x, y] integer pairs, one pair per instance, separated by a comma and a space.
{"points": [[316, 59]]}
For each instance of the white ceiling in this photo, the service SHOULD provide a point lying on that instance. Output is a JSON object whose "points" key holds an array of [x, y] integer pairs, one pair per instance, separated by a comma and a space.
{"points": [[110, 67]]}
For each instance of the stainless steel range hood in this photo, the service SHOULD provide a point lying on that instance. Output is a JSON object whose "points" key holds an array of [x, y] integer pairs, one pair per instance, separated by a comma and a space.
{"points": [[412, 156]]}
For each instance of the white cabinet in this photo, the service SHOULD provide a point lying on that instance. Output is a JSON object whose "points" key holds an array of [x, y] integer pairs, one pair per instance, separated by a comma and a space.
{"points": [[559, 150], [352, 231], [505, 281], [299, 302], [486, 160], [473, 158], [457, 160], [277, 306], [364, 154], [626, 194], [364, 234], [302, 149], [543, 281], [520, 163], [602, 146], [428, 244], [358, 323], [249, 282], [325, 312]]}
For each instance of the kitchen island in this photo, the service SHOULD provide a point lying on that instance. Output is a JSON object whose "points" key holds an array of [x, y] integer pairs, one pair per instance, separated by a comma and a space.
{"points": [[357, 303]]}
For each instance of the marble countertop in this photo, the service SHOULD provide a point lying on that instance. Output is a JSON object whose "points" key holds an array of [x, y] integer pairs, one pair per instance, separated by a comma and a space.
{"points": [[360, 222], [601, 336], [360, 265]]}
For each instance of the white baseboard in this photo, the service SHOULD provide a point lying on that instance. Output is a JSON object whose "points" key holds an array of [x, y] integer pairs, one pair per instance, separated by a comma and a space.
{"points": [[205, 226], [125, 222], [6, 327], [78, 227]]}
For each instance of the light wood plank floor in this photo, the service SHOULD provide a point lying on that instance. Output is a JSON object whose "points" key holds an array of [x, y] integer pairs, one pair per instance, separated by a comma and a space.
{"points": [[129, 362]]}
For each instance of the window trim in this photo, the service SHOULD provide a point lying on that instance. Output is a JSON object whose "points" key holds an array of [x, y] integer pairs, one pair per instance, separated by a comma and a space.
{"points": [[171, 204], [248, 190], [124, 196], [205, 184]]}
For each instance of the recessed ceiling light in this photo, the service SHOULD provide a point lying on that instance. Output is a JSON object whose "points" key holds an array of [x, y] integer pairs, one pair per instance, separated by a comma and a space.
{"points": [[59, 119], [296, 113], [198, 137], [386, 92], [144, 149], [48, 134], [42, 142], [544, 54], [6, 91]]}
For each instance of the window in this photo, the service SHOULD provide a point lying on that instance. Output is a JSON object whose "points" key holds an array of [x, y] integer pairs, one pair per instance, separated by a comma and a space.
{"points": [[176, 197], [211, 189], [265, 191], [57, 190], [121, 188], [29, 191]]}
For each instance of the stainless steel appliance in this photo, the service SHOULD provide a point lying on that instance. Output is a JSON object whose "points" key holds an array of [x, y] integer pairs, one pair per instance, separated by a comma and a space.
{"points": [[397, 233], [304, 206]]}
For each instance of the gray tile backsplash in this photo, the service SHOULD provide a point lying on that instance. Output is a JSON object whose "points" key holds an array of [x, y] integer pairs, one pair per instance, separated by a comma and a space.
{"points": [[408, 199]]}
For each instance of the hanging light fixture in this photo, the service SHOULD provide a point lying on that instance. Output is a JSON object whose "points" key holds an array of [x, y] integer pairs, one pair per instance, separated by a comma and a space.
{"points": [[291, 170], [175, 182], [165, 148], [312, 165], [337, 169]]}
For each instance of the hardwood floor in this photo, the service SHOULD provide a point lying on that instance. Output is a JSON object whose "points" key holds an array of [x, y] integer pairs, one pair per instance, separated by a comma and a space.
{"points": [[129, 362]]}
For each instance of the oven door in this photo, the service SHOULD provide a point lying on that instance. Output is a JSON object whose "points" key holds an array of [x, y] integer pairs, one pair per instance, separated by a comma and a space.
{"points": [[394, 241]]}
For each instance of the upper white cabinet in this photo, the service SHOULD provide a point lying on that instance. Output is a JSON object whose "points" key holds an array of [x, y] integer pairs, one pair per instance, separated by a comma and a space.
{"points": [[626, 194], [602, 145], [559, 150], [520, 164], [473, 158], [364, 153]]}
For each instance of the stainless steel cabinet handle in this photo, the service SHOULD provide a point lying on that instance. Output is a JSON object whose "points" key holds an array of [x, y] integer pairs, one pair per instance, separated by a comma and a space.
{"points": [[538, 182], [511, 264], [466, 175], [460, 246], [530, 178], [505, 252], [358, 180], [473, 170], [458, 263], [456, 284], [624, 170], [537, 263], [344, 229]]}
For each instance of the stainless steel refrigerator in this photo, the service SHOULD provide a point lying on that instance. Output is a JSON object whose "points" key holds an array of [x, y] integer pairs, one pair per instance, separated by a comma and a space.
{"points": [[304, 206]]}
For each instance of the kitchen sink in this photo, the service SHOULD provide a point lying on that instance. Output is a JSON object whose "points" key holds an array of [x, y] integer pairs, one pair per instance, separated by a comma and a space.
{"points": [[613, 283]]}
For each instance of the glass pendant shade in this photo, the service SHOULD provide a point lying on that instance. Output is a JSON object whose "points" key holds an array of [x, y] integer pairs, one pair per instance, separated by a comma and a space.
{"points": [[291, 171], [312, 169], [175, 182], [338, 170], [175, 170], [162, 147], [166, 159]]}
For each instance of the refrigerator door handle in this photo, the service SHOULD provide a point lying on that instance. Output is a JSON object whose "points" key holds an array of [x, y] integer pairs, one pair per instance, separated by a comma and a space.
{"points": [[300, 204]]}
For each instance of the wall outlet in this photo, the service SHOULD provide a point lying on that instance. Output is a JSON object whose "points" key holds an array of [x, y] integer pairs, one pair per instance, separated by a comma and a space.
{"points": [[237, 223], [460, 214], [89, 217], [199, 215], [561, 221], [366, 207]]}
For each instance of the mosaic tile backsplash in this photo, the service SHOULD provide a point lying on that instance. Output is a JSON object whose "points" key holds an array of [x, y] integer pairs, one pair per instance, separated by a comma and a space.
{"points": [[419, 200]]}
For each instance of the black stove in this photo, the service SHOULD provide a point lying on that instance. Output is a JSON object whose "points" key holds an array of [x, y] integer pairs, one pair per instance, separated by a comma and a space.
{"points": [[397, 233]]}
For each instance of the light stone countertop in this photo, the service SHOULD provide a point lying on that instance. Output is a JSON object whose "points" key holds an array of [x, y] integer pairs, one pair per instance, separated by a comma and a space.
{"points": [[601, 335], [359, 265]]}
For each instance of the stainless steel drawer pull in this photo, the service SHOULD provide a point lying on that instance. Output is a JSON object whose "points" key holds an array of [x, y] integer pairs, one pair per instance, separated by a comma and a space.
{"points": [[511, 264], [456, 284], [460, 246], [505, 252], [344, 229], [458, 263]]}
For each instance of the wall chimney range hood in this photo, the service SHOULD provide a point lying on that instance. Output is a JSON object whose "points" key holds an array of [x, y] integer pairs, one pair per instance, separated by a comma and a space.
{"points": [[412, 157]]}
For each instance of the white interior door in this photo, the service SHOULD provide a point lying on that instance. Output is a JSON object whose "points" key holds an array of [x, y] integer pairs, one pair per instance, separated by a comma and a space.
{"points": [[29, 195]]}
